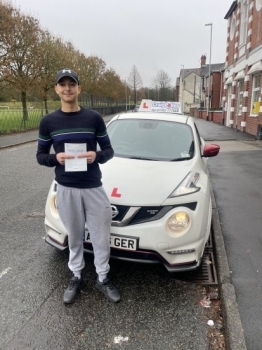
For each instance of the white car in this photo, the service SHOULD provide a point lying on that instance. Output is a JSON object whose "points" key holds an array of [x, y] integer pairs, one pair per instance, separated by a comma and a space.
{"points": [[159, 190]]}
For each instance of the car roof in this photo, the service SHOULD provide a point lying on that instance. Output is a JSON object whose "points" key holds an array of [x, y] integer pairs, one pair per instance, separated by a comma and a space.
{"points": [[158, 110]]}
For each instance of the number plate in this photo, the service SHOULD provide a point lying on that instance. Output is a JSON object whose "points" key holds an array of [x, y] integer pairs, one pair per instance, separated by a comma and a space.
{"points": [[118, 241]]}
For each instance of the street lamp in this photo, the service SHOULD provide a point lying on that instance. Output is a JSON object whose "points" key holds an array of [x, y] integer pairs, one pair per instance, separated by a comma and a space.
{"points": [[182, 93], [209, 79], [126, 94]]}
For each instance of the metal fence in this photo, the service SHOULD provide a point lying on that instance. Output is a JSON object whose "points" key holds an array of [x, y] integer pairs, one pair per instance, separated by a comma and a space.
{"points": [[102, 104], [14, 120], [90, 100]]}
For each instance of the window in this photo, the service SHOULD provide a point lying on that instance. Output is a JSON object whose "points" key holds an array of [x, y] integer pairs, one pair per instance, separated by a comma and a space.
{"points": [[240, 96], [255, 102], [258, 4], [243, 23], [233, 28], [151, 139]]}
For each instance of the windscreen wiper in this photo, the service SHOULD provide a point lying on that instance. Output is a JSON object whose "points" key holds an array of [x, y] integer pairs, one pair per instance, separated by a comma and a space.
{"points": [[142, 158], [180, 159]]}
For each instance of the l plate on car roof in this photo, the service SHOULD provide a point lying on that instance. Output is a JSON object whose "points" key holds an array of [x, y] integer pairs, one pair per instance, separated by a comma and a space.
{"points": [[159, 106]]}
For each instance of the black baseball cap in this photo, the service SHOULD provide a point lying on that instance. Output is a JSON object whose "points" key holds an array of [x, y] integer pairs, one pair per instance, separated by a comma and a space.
{"points": [[66, 72]]}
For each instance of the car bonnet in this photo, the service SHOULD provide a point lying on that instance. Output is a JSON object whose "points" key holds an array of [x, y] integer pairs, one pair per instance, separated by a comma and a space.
{"points": [[138, 182]]}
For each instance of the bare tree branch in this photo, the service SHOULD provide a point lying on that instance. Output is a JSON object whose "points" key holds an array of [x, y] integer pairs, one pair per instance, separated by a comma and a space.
{"points": [[135, 81]]}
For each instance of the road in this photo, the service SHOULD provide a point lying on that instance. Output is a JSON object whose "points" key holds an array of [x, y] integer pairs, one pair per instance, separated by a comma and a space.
{"points": [[236, 180], [156, 311]]}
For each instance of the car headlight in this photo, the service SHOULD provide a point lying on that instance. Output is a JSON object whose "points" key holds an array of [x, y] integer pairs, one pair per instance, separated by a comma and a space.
{"points": [[187, 186], [179, 221]]}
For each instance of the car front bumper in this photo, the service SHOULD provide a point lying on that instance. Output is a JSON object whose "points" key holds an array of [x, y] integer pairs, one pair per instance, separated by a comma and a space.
{"points": [[155, 242]]}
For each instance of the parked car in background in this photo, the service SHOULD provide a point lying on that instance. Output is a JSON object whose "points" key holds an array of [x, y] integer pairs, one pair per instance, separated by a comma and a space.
{"points": [[159, 190]]}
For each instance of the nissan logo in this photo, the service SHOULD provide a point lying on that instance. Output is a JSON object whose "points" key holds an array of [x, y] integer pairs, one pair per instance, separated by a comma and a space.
{"points": [[115, 211]]}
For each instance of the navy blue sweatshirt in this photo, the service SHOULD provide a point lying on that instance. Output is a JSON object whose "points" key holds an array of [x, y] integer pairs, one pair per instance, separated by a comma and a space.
{"points": [[85, 126]]}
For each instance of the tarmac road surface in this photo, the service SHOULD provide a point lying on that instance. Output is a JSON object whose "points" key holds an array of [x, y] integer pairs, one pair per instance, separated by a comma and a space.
{"points": [[156, 310], [33, 275]]}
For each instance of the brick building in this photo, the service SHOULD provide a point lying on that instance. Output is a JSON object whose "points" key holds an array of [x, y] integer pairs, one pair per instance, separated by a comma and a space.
{"points": [[214, 93], [243, 67]]}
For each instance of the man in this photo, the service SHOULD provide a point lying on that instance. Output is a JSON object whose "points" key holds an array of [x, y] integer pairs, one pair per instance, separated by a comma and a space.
{"points": [[81, 200]]}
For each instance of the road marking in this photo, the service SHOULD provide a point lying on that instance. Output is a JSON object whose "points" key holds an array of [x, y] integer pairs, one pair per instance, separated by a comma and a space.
{"points": [[4, 272]]}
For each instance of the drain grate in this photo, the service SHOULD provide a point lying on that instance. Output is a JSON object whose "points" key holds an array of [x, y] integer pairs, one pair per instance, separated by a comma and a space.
{"points": [[206, 274], [209, 243]]}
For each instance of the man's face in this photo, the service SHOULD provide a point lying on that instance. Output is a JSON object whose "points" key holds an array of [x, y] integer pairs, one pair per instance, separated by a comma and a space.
{"points": [[68, 90]]}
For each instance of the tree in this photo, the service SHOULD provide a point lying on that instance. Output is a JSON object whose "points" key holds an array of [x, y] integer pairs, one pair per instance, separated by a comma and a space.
{"points": [[20, 52], [135, 81], [92, 74], [53, 52], [30, 57], [113, 86], [162, 82]]}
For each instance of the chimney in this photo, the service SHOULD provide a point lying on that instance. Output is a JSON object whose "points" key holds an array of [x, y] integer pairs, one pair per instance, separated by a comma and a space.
{"points": [[203, 60]]}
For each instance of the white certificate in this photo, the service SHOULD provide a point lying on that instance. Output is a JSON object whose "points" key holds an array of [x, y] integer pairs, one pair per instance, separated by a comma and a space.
{"points": [[75, 164]]}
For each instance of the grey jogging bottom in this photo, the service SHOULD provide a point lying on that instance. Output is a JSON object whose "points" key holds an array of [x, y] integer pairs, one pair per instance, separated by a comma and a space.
{"points": [[78, 207]]}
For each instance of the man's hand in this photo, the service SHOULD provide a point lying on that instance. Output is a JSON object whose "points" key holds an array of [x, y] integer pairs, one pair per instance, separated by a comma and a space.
{"points": [[61, 157], [90, 156]]}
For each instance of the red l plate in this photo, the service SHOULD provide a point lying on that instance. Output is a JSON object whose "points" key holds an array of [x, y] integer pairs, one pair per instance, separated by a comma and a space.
{"points": [[114, 193]]}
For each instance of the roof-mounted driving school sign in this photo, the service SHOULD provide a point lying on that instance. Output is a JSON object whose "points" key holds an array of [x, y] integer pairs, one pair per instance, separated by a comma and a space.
{"points": [[159, 106]]}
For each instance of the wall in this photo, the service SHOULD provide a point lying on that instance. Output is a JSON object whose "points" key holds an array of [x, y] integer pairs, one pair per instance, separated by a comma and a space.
{"points": [[215, 116], [216, 88], [192, 84]]}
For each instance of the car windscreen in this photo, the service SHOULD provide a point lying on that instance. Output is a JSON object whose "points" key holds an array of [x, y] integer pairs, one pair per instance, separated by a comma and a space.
{"points": [[151, 139]]}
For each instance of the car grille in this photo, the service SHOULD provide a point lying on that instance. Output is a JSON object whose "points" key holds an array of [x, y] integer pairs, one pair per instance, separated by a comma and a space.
{"points": [[122, 210], [137, 215], [145, 213]]}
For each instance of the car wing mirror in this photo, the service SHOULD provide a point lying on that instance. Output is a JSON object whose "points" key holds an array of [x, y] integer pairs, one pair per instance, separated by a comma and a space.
{"points": [[210, 150]]}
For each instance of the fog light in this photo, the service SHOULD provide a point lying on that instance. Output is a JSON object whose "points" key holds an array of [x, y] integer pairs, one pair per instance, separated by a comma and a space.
{"points": [[179, 221], [182, 251]]}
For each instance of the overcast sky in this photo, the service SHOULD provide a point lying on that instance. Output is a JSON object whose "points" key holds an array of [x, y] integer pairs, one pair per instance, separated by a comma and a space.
{"points": [[149, 34]]}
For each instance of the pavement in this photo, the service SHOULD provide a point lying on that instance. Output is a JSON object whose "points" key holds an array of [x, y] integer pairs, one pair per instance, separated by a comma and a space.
{"points": [[18, 139], [235, 337]]}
